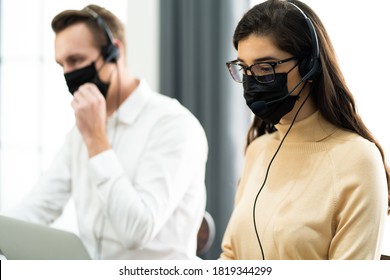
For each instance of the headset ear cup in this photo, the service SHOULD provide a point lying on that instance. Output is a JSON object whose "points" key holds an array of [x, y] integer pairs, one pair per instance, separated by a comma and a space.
{"points": [[304, 67], [110, 53]]}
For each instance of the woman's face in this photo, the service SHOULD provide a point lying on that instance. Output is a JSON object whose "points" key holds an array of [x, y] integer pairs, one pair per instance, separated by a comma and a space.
{"points": [[255, 48]]}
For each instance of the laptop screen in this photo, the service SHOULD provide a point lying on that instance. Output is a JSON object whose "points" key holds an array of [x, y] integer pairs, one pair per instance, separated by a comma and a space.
{"points": [[21, 240]]}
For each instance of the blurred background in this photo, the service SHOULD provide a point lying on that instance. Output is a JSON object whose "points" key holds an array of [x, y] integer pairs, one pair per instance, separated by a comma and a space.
{"points": [[180, 48]]}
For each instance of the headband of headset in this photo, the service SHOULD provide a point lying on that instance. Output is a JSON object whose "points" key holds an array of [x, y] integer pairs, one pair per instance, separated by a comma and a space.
{"points": [[110, 51], [310, 66]]}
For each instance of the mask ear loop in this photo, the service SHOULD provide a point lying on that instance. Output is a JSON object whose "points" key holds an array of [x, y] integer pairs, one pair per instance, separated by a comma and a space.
{"points": [[297, 85], [293, 68], [268, 169], [101, 67]]}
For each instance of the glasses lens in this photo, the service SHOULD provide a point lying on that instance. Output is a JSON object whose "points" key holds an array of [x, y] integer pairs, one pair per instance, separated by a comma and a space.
{"points": [[263, 72], [236, 72]]}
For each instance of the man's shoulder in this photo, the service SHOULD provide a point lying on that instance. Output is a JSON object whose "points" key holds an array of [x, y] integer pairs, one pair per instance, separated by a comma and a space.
{"points": [[163, 105], [162, 110]]}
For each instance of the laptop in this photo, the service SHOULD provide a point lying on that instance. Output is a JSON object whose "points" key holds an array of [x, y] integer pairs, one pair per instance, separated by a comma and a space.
{"points": [[21, 240]]}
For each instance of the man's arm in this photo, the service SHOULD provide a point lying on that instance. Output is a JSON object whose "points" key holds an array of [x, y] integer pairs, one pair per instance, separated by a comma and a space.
{"points": [[173, 162]]}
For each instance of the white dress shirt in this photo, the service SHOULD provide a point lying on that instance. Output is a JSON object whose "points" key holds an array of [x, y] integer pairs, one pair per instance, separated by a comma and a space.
{"points": [[144, 198]]}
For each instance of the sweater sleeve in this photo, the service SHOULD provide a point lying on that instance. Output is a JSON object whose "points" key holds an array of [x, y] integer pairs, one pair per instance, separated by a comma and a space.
{"points": [[227, 249], [361, 206]]}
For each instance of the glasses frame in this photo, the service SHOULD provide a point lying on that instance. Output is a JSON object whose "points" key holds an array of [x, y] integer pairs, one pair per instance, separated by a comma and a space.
{"points": [[273, 64]]}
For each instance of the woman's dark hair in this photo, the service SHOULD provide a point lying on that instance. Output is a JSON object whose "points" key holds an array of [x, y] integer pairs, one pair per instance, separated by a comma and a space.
{"points": [[287, 28]]}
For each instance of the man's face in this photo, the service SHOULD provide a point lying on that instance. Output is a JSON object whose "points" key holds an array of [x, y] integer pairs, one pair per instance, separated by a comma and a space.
{"points": [[74, 48]]}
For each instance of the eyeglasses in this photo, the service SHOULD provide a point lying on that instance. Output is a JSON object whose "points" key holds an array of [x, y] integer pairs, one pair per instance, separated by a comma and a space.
{"points": [[263, 72]]}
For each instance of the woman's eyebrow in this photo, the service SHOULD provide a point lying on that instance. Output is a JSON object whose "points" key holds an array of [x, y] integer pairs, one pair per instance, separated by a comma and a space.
{"points": [[260, 59]]}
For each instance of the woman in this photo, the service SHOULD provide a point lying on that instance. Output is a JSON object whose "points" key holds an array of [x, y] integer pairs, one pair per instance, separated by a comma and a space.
{"points": [[315, 184]]}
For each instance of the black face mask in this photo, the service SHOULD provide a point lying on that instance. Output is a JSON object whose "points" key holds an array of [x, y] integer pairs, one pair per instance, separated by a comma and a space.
{"points": [[271, 101], [87, 74]]}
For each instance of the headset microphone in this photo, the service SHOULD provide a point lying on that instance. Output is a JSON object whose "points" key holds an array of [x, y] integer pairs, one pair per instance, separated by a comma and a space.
{"points": [[261, 105], [258, 106]]}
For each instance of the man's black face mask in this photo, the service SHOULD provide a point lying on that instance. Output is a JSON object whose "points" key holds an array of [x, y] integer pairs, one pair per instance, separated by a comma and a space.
{"points": [[87, 74]]}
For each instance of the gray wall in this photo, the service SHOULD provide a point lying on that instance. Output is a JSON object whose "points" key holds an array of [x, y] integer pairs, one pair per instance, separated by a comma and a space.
{"points": [[196, 41]]}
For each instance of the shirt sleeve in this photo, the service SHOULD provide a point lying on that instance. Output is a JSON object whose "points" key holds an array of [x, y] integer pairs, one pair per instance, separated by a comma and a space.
{"points": [[174, 158], [361, 208], [45, 203]]}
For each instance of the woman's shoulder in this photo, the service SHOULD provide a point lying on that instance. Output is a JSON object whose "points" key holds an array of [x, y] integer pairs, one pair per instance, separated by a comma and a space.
{"points": [[355, 150]]}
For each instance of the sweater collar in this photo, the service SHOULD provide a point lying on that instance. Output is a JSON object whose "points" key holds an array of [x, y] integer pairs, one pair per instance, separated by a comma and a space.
{"points": [[311, 129]]}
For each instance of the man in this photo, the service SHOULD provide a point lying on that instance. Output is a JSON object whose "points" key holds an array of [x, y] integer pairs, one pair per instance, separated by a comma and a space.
{"points": [[135, 161]]}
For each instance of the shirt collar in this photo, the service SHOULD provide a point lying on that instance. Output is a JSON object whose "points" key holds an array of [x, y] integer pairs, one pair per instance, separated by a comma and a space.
{"points": [[133, 105]]}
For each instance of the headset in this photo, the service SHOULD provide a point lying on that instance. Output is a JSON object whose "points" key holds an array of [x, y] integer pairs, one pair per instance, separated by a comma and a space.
{"points": [[110, 51], [309, 67]]}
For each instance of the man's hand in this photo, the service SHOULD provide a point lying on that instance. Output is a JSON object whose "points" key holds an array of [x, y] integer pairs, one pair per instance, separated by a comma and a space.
{"points": [[89, 106]]}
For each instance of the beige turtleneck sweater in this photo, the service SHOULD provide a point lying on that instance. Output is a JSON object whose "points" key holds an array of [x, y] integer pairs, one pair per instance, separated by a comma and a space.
{"points": [[325, 196]]}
